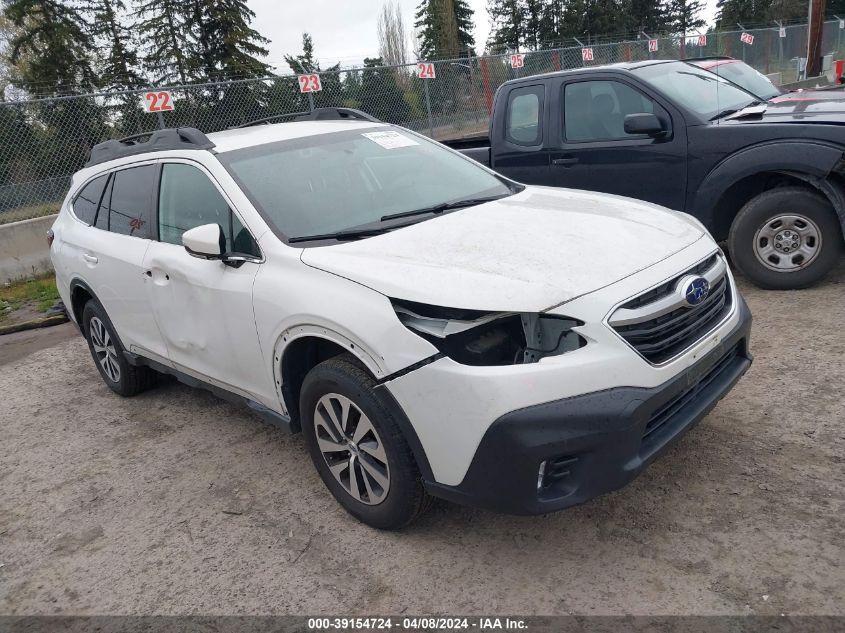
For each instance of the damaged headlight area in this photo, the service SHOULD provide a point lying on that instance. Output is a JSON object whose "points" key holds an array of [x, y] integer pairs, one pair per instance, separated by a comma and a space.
{"points": [[474, 337]]}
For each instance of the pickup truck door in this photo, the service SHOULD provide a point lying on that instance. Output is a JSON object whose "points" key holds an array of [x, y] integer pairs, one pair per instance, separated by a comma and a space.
{"points": [[593, 151], [518, 150]]}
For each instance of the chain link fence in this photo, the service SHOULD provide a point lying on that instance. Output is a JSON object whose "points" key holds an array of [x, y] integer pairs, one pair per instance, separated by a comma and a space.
{"points": [[44, 141]]}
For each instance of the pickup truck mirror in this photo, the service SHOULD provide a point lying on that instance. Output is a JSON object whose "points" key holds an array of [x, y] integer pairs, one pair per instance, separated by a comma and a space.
{"points": [[206, 241], [643, 123]]}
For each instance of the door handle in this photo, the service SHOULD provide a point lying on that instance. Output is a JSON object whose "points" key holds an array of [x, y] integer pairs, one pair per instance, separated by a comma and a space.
{"points": [[91, 259], [565, 162]]}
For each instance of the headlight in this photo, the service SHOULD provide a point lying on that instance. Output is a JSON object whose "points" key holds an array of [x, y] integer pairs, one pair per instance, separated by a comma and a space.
{"points": [[473, 337]]}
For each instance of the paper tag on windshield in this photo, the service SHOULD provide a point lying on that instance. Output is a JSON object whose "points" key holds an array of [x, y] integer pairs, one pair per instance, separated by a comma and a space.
{"points": [[390, 139]]}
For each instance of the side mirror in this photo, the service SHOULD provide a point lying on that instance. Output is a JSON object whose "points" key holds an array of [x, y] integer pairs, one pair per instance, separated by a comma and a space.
{"points": [[643, 123], [206, 241]]}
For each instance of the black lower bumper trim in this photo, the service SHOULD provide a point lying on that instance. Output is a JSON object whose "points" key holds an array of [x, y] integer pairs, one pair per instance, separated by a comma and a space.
{"points": [[597, 442]]}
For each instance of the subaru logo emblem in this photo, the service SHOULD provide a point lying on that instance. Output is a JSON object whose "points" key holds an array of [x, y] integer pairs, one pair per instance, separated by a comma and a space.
{"points": [[696, 290]]}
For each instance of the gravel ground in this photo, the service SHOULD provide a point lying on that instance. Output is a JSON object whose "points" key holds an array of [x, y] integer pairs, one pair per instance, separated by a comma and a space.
{"points": [[176, 502]]}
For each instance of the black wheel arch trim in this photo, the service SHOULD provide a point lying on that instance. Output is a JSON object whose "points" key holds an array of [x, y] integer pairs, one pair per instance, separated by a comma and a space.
{"points": [[812, 162]]}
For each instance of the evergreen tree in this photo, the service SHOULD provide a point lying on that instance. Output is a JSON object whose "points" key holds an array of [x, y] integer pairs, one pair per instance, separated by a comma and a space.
{"points": [[731, 12], [228, 45], [508, 21], [684, 16], [53, 38], [380, 95], [119, 57], [644, 15], [304, 63], [165, 29], [444, 29]]}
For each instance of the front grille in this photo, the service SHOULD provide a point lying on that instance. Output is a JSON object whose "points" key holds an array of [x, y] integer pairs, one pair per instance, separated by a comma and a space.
{"points": [[665, 325], [669, 287], [661, 418]]}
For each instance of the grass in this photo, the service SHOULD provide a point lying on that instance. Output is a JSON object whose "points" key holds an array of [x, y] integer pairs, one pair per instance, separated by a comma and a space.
{"points": [[41, 292], [27, 213]]}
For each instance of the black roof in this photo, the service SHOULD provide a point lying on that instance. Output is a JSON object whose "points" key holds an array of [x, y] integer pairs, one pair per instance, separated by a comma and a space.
{"points": [[159, 140], [623, 66]]}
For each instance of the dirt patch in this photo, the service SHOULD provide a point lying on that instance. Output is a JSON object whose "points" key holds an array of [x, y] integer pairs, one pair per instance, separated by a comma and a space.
{"points": [[177, 502]]}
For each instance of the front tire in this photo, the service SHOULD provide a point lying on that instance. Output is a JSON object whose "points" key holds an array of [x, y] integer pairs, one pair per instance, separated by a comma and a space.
{"points": [[357, 446], [106, 350], [786, 238]]}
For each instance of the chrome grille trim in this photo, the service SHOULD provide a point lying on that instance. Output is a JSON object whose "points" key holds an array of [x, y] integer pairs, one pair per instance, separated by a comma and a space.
{"points": [[660, 335], [667, 303]]}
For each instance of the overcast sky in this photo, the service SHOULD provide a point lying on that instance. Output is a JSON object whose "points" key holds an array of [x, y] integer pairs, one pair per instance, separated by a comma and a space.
{"points": [[345, 30]]}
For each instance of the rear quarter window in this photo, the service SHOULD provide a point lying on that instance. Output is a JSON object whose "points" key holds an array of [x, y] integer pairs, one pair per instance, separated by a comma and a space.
{"points": [[86, 202], [524, 116]]}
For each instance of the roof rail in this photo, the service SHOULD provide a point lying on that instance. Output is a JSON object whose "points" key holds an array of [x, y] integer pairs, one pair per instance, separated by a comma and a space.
{"points": [[158, 140], [317, 114]]}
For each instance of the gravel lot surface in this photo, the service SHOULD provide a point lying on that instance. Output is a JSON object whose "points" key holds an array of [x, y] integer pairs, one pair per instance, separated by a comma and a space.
{"points": [[175, 502]]}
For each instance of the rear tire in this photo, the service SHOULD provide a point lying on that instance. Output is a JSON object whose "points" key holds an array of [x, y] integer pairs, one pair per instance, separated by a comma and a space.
{"points": [[108, 354], [786, 238], [357, 446]]}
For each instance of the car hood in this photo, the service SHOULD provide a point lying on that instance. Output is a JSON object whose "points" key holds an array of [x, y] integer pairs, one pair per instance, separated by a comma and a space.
{"points": [[525, 253], [807, 106]]}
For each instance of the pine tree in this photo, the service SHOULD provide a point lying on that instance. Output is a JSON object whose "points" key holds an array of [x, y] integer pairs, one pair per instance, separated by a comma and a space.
{"points": [[53, 37], [380, 95], [444, 29], [304, 63], [508, 18], [684, 16], [228, 45], [165, 29], [119, 68], [729, 12]]}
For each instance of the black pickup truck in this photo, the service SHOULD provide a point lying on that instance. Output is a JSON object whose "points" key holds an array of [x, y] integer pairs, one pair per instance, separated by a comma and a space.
{"points": [[767, 177]]}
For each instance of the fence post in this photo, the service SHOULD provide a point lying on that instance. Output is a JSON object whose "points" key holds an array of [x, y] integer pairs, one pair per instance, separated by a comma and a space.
{"points": [[311, 101], [428, 109], [485, 80]]}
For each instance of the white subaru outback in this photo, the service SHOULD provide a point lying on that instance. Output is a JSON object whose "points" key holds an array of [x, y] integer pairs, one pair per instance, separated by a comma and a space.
{"points": [[433, 328]]}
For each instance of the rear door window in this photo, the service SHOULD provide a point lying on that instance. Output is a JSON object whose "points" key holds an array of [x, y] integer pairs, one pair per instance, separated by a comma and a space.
{"points": [[129, 204], [524, 115], [86, 202]]}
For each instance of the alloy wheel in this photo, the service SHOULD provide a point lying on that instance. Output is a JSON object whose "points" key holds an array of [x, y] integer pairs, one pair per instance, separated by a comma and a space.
{"points": [[104, 349], [352, 448]]}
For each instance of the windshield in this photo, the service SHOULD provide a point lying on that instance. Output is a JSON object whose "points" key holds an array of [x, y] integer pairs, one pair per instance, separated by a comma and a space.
{"points": [[746, 77], [698, 90], [334, 182]]}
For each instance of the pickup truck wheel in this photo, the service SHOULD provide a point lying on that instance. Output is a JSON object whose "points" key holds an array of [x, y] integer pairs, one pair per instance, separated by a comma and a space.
{"points": [[786, 238], [121, 377], [357, 447]]}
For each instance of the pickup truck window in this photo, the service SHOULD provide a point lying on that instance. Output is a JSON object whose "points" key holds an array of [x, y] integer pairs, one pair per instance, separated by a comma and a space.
{"points": [[342, 180], [596, 110], [524, 108], [698, 90]]}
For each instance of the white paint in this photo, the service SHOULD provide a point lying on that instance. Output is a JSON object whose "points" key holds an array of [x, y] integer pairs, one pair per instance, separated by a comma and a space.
{"points": [[523, 253], [203, 240]]}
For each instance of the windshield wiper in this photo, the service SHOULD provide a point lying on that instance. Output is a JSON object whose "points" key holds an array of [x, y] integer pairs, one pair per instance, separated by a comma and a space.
{"points": [[440, 208], [730, 111], [342, 235]]}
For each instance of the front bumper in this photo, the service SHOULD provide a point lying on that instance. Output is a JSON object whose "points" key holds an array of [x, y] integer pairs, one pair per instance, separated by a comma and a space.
{"points": [[596, 442]]}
